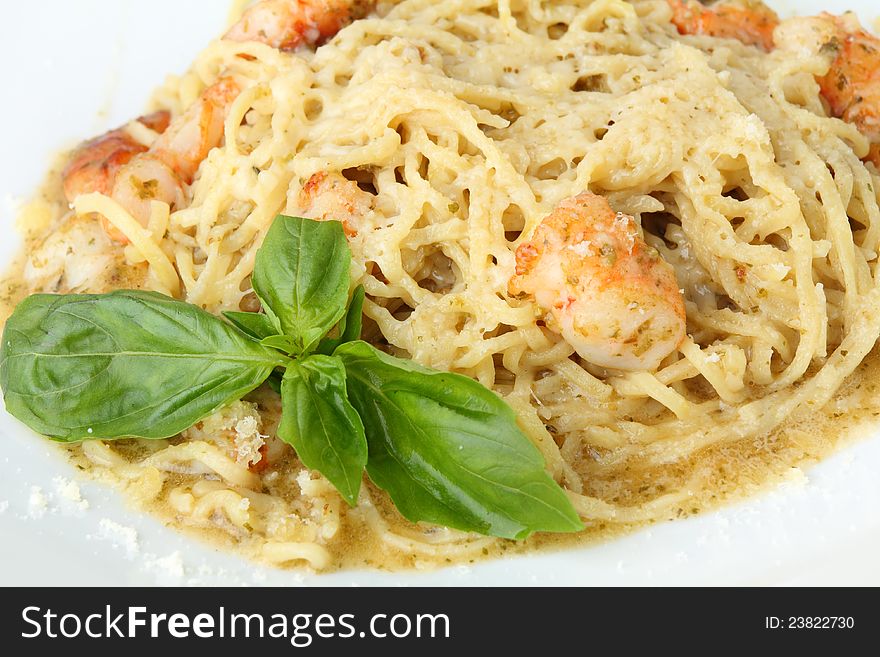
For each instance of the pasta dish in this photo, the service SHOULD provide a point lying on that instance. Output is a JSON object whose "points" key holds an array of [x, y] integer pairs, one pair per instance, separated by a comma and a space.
{"points": [[651, 228]]}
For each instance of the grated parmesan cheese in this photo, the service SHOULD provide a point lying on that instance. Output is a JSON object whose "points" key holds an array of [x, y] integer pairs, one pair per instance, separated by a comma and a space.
{"points": [[248, 440], [38, 503], [120, 536], [68, 491], [234, 428], [169, 568]]}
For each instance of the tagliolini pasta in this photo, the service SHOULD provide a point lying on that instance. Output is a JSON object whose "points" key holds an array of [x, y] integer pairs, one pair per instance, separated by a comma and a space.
{"points": [[469, 121]]}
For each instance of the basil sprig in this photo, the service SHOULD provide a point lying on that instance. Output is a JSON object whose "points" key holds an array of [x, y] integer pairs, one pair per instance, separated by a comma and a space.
{"points": [[140, 364]]}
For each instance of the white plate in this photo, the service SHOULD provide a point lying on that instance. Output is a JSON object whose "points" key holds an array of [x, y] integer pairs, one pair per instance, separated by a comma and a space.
{"points": [[77, 68]]}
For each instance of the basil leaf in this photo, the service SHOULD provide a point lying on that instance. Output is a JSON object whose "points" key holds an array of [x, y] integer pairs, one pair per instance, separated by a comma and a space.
{"points": [[350, 326], [123, 364], [282, 343], [321, 425], [260, 327], [274, 381], [301, 277], [449, 451], [256, 325]]}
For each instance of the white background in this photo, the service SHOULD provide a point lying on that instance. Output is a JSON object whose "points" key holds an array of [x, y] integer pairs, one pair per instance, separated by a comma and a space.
{"points": [[74, 68]]}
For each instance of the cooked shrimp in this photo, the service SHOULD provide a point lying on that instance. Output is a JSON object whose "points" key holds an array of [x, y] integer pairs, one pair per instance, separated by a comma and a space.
{"points": [[288, 24], [330, 196], [189, 139], [94, 164], [174, 158], [852, 84], [749, 21], [134, 176], [76, 257], [603, 289]]}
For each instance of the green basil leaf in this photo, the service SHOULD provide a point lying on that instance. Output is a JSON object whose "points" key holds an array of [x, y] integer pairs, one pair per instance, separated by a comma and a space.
{"points": [[123, 364], [353, 322], [350, 326], [256, 325], [274, 381], [449, 451], [282, 343], [321, 425], [301, 275]]}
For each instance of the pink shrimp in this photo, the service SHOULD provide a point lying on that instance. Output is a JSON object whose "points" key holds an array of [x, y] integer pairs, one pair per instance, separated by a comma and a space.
{"points": [[172, 161], [93, 165], [749, 21], [601, 287], [852, 84], [288, 24], [330, 196], [134, 176]]}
